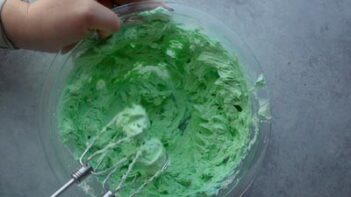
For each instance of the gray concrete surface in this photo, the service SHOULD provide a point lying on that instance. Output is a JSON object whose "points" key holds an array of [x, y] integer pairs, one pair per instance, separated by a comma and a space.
{"points": [[305, 51]]}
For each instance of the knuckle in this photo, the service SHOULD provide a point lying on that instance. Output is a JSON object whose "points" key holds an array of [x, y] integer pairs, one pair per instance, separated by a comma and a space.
{"points": [[87, 13]]}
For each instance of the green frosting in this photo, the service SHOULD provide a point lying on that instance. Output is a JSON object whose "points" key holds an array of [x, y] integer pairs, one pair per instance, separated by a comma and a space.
{"points": [[172, 93]]}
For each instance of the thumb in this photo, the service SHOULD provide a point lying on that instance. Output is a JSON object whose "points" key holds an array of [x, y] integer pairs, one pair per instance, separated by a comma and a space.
{"points": [[104, 20]]}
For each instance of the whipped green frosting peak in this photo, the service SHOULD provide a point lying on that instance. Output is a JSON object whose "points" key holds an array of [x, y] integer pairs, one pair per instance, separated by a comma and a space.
{"points": [[179, 94], [132, 121]]}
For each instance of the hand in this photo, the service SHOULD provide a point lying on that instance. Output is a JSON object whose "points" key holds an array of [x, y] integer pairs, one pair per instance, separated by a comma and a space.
{"points": [[52, 25]]}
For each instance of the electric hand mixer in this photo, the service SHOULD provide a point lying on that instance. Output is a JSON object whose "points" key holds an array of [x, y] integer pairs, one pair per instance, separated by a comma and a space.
{"points": [[132, 122]]}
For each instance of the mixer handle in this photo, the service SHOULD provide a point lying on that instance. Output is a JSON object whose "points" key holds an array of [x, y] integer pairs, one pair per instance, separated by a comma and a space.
{"points": [[83, 172]]}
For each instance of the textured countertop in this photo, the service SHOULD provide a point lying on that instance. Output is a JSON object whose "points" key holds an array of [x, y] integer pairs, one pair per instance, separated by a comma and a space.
{"points": [[304, 48]]}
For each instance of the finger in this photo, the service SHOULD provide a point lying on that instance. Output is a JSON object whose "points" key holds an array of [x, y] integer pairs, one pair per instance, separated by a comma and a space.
{"points": [[68, 48], [103, 20], [103, 34], [148, 5]]}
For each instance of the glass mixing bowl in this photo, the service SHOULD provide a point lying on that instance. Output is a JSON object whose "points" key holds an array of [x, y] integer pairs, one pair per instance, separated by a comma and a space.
{"points": [[59, 156]]}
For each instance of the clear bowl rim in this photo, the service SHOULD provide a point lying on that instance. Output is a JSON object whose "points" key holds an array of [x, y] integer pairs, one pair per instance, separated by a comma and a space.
{"points": [[247, 178]]}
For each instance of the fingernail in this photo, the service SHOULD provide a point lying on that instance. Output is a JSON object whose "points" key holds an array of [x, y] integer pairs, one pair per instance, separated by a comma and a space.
{"points": [[103, 34]]}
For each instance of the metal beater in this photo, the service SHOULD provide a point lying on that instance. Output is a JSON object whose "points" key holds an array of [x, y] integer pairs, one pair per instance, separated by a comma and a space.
{"points": [[132, 121]]}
